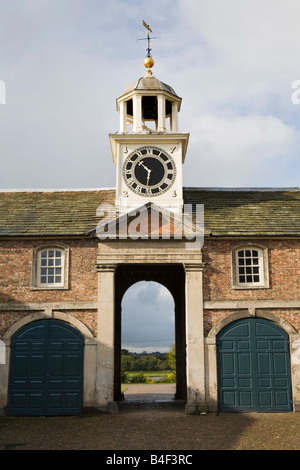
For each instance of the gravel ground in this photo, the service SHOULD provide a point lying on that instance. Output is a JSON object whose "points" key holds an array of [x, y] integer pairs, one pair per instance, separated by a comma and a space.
{"points": [[153, 426]]}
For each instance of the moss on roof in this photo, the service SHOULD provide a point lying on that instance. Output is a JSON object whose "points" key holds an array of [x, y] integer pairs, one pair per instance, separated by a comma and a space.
{"points": [[252, 212], [232, 212], [52, 213]]}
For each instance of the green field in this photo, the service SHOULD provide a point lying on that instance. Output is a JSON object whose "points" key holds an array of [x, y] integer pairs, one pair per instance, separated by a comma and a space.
{"points": [[155, 373], [149, 377]]}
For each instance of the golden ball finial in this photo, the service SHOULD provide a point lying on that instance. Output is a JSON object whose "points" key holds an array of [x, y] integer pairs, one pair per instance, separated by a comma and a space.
{"points": [[148, 62]]}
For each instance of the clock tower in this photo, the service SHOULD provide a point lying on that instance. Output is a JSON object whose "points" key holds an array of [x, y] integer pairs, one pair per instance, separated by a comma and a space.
{"points": [[148, 150]]}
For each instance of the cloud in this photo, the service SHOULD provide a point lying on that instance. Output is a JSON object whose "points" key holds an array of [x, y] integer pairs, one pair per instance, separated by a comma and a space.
{"points": [[252, 34], [64, 63], [147, 317], [240, 150]]}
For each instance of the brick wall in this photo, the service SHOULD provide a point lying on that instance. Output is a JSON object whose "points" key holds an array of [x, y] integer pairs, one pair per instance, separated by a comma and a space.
{"points": [[15, 273], [284, 278], [15, 279], [8, 318], [284, 272], [16, 259]]}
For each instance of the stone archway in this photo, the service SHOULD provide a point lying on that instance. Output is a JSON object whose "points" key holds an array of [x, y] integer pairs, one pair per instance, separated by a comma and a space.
{"points": [[245, 314], [56, 315], [173, 278], [172, 263]]}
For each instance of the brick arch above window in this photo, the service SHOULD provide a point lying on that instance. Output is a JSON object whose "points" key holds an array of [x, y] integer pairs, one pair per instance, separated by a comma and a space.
{"points": [[50, 266], [250, 268]]}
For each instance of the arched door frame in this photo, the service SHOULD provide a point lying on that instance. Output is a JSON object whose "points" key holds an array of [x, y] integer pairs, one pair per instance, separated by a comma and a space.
{"points": [[211, 350], [41, 316], [46, 369], [90, 350], [173, 278]]}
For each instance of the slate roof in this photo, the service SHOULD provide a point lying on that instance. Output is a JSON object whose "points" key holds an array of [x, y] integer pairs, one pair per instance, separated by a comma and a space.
{"points": [[228, 212], [249, 212], [53, 213]]}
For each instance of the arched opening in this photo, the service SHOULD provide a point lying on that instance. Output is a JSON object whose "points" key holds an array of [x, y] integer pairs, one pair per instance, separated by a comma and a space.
{"points": [[149, 113], [150, 316], [148, 333], [148, 322]]}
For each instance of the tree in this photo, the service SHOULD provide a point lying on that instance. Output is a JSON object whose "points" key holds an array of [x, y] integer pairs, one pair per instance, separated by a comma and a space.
{"points": [[172, 362], [144, 361], [124, 376], [152, 363]]}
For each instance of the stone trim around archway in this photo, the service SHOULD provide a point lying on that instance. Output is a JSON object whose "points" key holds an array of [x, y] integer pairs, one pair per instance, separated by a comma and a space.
{"points": [[284, 324], [68, 318], [211, 353]]}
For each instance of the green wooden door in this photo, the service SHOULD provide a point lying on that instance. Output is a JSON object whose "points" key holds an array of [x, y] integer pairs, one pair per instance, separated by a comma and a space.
{"points": [[254, 367], [46, 370]]}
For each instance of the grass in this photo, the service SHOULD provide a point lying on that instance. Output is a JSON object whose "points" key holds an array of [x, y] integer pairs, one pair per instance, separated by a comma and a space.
{"points": [[146, 377], [156, 373]]}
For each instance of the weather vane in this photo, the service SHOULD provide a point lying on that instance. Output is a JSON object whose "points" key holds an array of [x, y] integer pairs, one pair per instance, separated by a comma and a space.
{"points": [[148, 62]]}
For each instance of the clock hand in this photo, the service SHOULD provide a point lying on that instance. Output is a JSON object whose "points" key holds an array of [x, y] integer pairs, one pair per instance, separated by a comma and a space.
{"points": [[148, 177], [144, 166]]}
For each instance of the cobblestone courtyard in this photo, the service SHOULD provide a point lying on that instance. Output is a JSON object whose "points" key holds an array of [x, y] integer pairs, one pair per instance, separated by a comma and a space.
{"points": [[151, 427]]}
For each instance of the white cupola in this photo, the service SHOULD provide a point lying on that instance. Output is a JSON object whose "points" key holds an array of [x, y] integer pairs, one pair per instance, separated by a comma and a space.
{"points": [[148, 149]]}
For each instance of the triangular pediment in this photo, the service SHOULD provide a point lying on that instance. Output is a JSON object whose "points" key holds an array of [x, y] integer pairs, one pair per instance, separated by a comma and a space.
{"points": [[149, 221]]}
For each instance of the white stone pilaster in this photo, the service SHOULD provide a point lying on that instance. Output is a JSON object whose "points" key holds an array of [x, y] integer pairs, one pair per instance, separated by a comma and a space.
{"points": [[137, 113], [161, 111], [105, 334], [4, 373], [295, 370], [123, 116], [174, 117], [196, 399]]}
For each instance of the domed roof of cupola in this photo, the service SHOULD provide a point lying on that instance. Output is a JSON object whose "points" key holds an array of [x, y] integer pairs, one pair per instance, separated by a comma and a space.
{"points": [[148, 83]]}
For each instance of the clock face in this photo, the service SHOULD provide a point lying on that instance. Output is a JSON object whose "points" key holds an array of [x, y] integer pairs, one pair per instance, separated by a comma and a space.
{"points": [[149, 171]]}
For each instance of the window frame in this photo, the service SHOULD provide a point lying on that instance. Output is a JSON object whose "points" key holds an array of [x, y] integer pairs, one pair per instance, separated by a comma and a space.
{"points": [[36, 283], [262, 264]]}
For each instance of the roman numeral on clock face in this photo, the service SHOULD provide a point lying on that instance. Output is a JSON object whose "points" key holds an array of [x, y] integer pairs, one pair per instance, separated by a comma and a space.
{"points": [[131, 182], [149, 171]]}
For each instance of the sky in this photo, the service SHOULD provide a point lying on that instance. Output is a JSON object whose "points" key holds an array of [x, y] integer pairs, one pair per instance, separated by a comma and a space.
{"points": [[235, 63], [150, 325]]}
